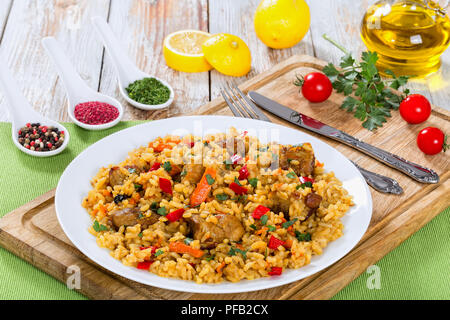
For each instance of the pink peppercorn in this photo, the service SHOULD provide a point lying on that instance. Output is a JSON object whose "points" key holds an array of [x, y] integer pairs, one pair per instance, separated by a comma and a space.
{"points": [[95, 112]]}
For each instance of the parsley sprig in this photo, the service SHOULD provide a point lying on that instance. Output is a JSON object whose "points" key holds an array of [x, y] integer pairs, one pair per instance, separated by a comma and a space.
{"points": [[369, 97]]}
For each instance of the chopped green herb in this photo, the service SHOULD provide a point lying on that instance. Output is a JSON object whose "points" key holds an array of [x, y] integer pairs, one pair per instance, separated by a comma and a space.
{"points": [[222, 197], [291, 175], [287, 224], [297, 145], [253, 226], [162, 211], [188, 241], [307, 184], [148, 91], [233, 252], [264, 219], [302, 236], [206, 143], [236, 180], [137, 187], [210, 258], [167, 166], [227, 164], [240, 198], [140, 235], [131, 170], [159, 252], [253, 182], [99, 227], [210, 179], [183, 173], [154, 206], [141, 215], [272, 228], [289, 160]]}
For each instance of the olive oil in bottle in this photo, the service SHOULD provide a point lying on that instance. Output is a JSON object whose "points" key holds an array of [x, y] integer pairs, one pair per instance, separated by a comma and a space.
{"points": [[409, 36]]}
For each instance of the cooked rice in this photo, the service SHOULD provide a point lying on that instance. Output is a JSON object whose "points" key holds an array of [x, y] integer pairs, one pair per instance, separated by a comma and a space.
{"points": [[126, 243]]}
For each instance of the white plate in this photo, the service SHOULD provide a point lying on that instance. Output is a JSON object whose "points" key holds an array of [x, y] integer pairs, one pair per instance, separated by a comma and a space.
{"points": [[75, 184]]}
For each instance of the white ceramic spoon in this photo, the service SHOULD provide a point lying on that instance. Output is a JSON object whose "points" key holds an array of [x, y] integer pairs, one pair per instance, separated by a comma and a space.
{"points": [[22, 113], [127, 71], [77, 90]]}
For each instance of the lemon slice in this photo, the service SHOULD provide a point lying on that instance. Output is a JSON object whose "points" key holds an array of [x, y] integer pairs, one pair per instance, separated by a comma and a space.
{"points": [[183, 51], [228, 54]]}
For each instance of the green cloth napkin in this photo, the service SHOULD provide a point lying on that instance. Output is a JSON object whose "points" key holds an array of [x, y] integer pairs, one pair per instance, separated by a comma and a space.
{"points": [[417, 269]]}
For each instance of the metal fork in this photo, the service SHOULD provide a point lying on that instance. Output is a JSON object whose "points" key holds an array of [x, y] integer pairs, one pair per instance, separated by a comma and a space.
{"points": [[242, 106]]}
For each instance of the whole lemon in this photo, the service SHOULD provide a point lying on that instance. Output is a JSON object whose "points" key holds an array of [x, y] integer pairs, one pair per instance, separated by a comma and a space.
{"points": [[282, 24]]}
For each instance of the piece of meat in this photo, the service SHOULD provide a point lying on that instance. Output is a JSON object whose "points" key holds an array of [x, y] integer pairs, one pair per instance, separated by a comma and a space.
{"points": [[305, 156], [130, 217], [175, 170], [228, 227], [284, 162], [194, 173], [282, 205], [116, 176], [313, 200]]}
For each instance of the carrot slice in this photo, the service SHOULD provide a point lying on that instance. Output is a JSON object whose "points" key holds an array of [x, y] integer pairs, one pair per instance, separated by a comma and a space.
{"points": [[180, 247], [220, 267], [203, 188]]}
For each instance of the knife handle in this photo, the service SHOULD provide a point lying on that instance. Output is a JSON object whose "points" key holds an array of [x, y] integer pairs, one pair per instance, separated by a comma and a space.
{"points": [[415, 171]]}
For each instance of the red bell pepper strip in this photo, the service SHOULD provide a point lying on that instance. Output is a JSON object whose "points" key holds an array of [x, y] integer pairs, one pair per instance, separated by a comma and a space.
{"points": [[274, 243], [144, 265], [305, 179], [243, 173], [259, 212], [155, 166], [276, 271], [237, 188], [236, 158], [165, 186], [175, 215]]}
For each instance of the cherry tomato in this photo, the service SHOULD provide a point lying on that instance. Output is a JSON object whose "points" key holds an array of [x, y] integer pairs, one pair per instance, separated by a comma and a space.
{"points": [[431, 141], [316, 87], [415, 109]]}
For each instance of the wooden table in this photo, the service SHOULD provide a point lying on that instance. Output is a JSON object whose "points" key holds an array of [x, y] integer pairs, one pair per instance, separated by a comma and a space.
{"points": [[141, 26]]}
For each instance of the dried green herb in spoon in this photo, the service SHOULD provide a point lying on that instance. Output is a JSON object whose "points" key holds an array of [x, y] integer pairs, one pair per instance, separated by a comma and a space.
{"points": [[148, 91]]}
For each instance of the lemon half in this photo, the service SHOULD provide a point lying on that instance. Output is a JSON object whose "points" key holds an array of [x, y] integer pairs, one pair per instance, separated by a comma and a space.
{"points": [[228, 54], [183, 51]]}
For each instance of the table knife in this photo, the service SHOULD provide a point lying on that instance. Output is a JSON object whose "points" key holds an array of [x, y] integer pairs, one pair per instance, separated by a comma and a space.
{"points": [[415, 171]]}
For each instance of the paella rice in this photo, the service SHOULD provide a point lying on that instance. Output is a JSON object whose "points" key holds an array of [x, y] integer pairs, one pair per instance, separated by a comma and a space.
{"points": [[215, 208]]}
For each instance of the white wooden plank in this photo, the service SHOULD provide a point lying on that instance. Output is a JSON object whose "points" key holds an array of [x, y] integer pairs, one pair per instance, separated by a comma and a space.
{"points": [[141, 26], [236, 17], [68, 21], [341, 20]]}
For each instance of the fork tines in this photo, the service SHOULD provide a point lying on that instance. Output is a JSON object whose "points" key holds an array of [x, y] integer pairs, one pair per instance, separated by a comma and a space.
{"points": [[240, 104]]}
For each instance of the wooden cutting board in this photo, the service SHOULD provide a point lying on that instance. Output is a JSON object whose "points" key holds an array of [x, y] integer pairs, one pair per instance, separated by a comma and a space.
{"points": [[32, 231]]}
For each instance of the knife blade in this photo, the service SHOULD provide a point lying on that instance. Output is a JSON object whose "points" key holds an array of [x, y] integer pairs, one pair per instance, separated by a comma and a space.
{"points": [[415, 171]]}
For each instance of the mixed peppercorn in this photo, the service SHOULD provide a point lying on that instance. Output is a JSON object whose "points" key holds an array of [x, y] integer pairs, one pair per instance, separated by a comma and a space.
{"points": [[37, 137]]}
